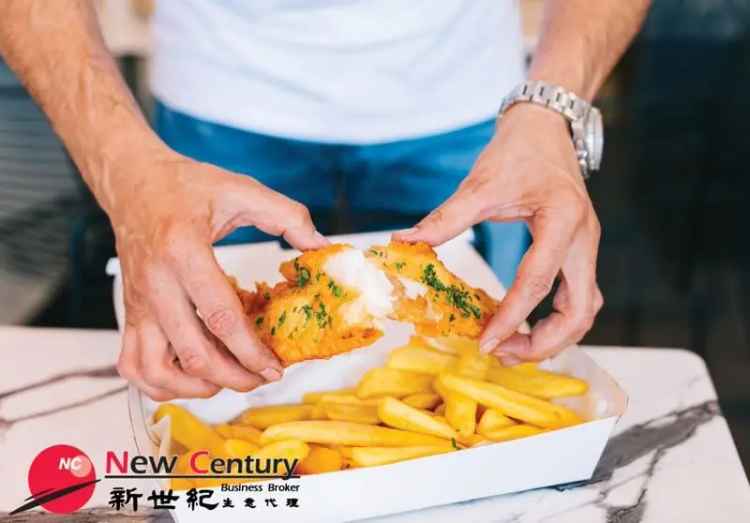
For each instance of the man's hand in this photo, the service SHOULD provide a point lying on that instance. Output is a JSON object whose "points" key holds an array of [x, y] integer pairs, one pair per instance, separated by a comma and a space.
{"points": [[529, 172], [186, 334]]}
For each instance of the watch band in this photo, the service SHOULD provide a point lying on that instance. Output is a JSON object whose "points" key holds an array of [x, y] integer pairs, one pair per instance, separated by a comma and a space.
{"points": [[584, 119], [548, 95]]}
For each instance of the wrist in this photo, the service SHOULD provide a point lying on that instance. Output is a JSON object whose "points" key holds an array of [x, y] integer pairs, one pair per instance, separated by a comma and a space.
{"points": [[538, 117], [572, 76], [118, 160]]}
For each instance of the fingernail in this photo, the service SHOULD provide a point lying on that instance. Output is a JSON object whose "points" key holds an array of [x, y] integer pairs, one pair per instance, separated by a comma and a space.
{"points": [[270, 374], [487, 345]]}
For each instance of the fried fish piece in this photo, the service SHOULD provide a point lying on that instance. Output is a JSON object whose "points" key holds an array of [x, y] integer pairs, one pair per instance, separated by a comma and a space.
{"points": [[333, 298], [330, 303], [435, 300]]}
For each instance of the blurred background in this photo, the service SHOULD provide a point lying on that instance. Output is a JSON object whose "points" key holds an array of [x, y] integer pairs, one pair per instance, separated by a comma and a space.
{"points": [[674, 259]]}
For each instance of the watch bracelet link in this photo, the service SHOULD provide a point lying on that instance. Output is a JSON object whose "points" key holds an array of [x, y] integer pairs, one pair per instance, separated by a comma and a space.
{"points": [[541, 93]]}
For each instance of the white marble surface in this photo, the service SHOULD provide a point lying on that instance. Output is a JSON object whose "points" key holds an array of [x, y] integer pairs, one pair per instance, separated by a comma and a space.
{"points": [[671, 459]]}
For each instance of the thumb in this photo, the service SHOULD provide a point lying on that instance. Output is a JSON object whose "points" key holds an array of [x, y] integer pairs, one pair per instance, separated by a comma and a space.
{"points": [[454, 216], [274, 213]]}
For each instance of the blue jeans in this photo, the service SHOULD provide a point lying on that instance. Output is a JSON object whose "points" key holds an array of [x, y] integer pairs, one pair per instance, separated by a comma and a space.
{"points": [[351, 188]]}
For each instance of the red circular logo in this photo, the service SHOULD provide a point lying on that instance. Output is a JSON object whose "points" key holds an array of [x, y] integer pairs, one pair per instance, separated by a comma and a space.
{"points": [[62, 477]]}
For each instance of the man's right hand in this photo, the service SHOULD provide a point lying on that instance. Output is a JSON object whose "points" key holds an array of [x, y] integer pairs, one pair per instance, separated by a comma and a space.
{"points": [[185, 333]]}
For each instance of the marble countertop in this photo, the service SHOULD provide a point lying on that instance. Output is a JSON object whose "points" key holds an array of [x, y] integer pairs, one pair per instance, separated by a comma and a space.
{"points": [[671, 458]]}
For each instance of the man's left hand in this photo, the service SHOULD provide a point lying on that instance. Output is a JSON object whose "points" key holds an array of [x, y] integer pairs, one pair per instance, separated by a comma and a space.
{"points": [[529, 172]]}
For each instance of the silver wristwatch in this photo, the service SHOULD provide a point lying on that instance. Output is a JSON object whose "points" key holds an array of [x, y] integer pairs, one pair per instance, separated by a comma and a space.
{"points": [[585, 120]]}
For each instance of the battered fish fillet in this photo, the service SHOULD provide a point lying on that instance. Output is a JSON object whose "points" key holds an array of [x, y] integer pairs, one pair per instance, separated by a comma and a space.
{"points": [[329, 304], [435, 300], [333, 298]]}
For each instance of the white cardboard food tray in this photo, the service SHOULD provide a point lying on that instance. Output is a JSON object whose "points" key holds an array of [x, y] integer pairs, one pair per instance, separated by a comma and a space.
{"points": [[551, 458]]}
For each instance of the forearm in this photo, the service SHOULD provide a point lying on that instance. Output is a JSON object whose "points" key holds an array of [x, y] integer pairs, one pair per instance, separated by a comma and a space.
{"points": [[581, 41], [57, 51]]}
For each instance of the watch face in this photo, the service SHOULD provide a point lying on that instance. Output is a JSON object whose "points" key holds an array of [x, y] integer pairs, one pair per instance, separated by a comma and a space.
{"points": [[594, 137]]}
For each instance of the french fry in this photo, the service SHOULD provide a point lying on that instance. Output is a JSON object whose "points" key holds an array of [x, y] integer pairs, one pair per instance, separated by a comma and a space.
{"points": [[318, 412], [472, 365], [349, 399], [372, 456], [393, 382], [345, 451], [367, 414], [511, 403], [246, 432], [527, 367], [315, 397], [418, 358], [461, 412], [568, 417], [473, 440], [288, 448], [238, 448], [539, 383], [263, 417], [187, 430], [319, 460], [493, 419], [452, 344], [423, 400], [181, 484], [349, 434], [513, 432], [399, 415]]}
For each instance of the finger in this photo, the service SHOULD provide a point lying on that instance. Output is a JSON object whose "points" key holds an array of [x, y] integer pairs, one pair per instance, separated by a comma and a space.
{"points": [[508, 360], [540, 265], [577, 306], [195, 348], [274, 213], [576, 303], [454, 216], [128, 366], [222, 312], [158, 369]]}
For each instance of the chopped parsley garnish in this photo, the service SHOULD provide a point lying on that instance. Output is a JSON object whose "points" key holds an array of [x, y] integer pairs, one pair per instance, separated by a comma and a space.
{"points": [[259, 320], [452, 317], [308, 310], [318, 276], [377, 253], [455, 446], [273, 331], [322, 316], [461, 300], [399, 265], [267, 295], [282, 319], [303, 274], [458, 298], [429, 277], [335, 289]]}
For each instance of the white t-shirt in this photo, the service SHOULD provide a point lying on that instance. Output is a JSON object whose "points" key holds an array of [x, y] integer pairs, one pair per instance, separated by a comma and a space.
{"points": [[337, 71]]}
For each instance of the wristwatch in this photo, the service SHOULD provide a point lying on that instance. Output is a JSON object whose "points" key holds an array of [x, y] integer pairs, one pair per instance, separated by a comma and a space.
{"points": [[585, 120]]}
